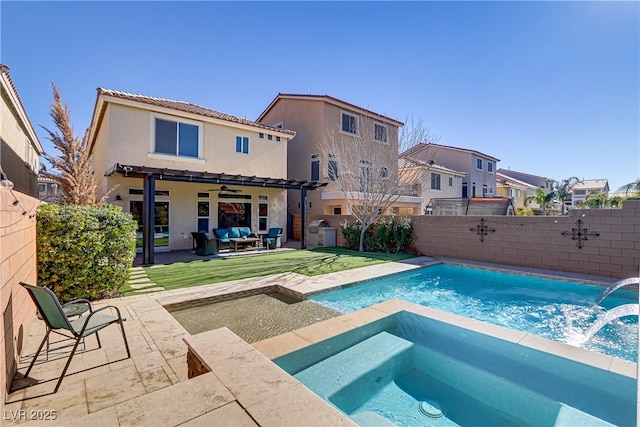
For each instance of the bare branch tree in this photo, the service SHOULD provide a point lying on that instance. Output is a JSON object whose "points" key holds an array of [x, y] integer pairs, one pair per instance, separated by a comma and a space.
{"points": [[74, 177], [362, 163]]}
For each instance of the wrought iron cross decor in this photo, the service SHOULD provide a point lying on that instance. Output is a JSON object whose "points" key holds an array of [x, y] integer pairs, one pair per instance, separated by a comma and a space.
{"points": [[580, 234], [482, 229]]}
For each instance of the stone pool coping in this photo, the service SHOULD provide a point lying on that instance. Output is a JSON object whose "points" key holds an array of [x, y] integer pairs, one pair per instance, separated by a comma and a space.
{"points": [[243, 386]]}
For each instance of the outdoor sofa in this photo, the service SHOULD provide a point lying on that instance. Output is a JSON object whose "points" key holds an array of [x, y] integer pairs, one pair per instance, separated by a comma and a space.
{"points": [[234, 236]]}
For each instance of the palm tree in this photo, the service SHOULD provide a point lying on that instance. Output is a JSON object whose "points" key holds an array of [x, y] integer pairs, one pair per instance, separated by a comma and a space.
{"points": [[541, 198], [563, 189], [597, 199], [632, 187]]}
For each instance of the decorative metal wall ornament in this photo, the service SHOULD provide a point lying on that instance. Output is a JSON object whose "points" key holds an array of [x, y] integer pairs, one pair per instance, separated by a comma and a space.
{"points": [[580, 234], [482, 229]]}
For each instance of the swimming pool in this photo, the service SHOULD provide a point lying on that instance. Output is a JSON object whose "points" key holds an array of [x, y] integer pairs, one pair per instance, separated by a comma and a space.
{"points": [[413, 369], [553, 309]]}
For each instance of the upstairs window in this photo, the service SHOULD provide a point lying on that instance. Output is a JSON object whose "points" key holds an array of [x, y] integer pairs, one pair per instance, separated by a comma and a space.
{"points": [[379, 132], [384, 173], [349, 123], [450, 181], [435, 181], [315, 167], [332, 168], [490, 167], [479, 164], [242, 144], [366, 183], [177, 138]]}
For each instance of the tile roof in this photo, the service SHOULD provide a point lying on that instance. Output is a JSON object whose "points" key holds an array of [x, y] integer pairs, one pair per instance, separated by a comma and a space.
{"points": [[187, 107], [591, 183], [331, 100], [423, 146]]}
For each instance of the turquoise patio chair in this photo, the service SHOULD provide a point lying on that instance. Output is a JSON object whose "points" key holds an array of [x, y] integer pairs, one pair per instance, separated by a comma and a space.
{"points": [[53, 314], [272, 238]]}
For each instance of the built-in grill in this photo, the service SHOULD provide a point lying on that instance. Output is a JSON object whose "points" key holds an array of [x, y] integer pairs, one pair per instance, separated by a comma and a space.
{"points": [[320, 234]]}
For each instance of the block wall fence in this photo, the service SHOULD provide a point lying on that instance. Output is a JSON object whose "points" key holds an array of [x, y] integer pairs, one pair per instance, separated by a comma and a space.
{"points": [[535, 241], [17, 263]]}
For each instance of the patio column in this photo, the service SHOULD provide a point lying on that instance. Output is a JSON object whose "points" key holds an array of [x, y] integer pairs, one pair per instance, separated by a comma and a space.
{"points": [[303, 212], [148, 218]]}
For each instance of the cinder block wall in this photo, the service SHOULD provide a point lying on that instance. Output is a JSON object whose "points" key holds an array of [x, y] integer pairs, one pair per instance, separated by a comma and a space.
{"points": [[17, 263], [535, 242]]}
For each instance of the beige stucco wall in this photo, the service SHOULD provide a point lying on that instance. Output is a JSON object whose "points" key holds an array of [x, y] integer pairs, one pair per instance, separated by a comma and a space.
{"points": [[125, 137], [13, 132], [183, 199], [518, 197], [315, 120], [129, 141], [17, 263]]}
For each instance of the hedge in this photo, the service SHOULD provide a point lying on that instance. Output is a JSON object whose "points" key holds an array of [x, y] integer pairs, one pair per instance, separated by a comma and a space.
{"points": [[84, 251], [392, 235]]}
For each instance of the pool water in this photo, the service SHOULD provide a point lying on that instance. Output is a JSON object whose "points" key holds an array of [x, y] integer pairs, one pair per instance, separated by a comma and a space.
{"points": [[410, 370], [557, 310]]}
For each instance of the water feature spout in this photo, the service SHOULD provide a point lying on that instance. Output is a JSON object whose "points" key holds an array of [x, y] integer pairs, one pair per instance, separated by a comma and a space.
{"points": [[609, 316], [617, 285]]}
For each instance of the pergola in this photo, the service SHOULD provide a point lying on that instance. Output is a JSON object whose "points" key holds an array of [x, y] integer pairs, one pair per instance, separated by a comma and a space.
{"points": [[149, 176]]}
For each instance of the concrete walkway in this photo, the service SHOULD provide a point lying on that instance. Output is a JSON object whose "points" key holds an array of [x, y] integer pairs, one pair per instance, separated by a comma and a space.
{"points": [[152, 387]]}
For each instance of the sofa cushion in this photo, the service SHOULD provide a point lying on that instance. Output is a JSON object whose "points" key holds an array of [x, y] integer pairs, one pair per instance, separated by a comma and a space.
{"points": [[244, 231], [221, 233], [234, 233]]}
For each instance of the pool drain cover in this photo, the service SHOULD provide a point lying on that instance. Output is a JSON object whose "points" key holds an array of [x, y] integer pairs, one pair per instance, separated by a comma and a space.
{"points": [[432, 409]]}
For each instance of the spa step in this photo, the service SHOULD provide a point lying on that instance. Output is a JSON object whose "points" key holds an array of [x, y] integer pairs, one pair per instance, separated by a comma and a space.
{"points": [[381, 356]]}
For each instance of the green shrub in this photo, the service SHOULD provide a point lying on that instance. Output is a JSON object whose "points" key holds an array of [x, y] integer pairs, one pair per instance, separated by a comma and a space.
{"points": [[84, 251], [351, 233], [388, 235]]}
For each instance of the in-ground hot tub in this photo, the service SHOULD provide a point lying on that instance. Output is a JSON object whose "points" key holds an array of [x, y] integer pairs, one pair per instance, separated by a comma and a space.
{"points": [[410, 369]]}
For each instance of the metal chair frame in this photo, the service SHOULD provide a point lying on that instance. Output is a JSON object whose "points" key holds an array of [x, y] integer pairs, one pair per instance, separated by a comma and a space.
{"points": [[53, 314]]}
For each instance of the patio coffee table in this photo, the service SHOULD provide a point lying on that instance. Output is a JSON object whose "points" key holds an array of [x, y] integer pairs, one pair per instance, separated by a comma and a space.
{"points": [[245, 241]]}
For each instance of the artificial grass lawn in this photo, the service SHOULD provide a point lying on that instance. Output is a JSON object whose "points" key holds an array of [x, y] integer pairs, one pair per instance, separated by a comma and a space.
{"points": [[307, 262]]}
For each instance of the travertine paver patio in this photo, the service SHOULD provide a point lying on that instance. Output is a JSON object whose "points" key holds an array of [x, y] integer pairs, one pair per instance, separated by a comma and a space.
{"points": [[153, 388]]}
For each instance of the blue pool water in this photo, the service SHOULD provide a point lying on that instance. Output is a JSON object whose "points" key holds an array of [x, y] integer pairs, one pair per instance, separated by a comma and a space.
{"points": [[410, 370], [557, 310]]}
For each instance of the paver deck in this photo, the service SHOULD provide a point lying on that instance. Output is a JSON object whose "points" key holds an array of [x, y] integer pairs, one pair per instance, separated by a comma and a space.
{"points": [[152, 387]]}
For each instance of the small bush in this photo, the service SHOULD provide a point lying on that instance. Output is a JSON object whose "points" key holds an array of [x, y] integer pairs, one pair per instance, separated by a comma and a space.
{"points": [[388, 235], [84, 251]]}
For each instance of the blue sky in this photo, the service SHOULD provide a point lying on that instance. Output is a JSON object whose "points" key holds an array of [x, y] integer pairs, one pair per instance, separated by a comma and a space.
{"points": [[549, 88]]}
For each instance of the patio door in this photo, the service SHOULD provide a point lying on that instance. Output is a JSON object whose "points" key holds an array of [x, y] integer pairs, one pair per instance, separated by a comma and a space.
{"points": [[234, 214], [160, 226]]}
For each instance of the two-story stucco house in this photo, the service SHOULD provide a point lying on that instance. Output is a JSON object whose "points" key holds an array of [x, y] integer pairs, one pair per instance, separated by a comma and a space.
{"points": [[432, 181], [516, 190], [20, 147], [480, 168], [198, 168], [317, 118], [582, 188]]}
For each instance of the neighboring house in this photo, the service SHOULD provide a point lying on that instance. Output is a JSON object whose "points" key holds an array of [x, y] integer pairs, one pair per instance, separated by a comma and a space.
{"points": [[200, 168], [518, 178], [434, 181], [48, 190], [516, 190], [315, 118], [537, 181], [480, 179], [582, 188], [20, 147]]}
